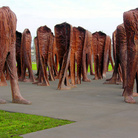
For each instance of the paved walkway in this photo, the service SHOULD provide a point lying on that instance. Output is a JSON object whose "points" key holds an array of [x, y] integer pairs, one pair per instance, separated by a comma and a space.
{"points": [[98, 109]]}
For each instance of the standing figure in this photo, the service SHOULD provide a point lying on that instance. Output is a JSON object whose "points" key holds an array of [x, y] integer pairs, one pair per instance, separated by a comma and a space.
{"points": [[131, 27], [120, 56], [102, 53], [87, 56], [76, 54], [44, 48], [64, 42], [7, 52], [26, 62]]}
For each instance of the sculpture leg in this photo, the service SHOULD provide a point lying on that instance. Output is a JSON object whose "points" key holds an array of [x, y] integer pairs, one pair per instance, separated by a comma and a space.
{"points": [[120, 79], [72, 67], [131, 72], [110, 58], [59, 70], [43, 73], [137, 81], [96, 66], [123, 65], [51, 68], [7, 73], [16, 95], [79, 67], [50, 63], [3, 83], [51, 73], [31, 75], [40, 77], [105, 61], [3, 80], [91, 65], [135, 94], [100, 64], [55, 65], [132, 56], [113, 79], [55, 61], [23, 72], [85, 78], [62, 85]]}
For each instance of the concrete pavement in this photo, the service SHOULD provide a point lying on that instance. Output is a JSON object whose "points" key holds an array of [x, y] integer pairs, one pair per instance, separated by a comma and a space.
{"points": [[98, 109]]}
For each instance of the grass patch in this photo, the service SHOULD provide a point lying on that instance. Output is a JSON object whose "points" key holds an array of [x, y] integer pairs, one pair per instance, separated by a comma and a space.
{"points": [[15, 124], [34, 67], [110, 67]]}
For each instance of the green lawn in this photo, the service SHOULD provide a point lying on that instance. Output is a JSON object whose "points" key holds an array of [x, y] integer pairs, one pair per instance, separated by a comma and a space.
{"points": [[15, 124], [109, 67], [34, 67]]}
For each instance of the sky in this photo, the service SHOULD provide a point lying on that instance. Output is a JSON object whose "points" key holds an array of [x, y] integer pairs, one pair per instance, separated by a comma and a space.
{"points": [[93, 15]]}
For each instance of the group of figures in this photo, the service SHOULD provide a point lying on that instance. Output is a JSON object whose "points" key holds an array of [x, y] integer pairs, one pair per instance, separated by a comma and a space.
{"points": [[125, 42], [71, 48]]}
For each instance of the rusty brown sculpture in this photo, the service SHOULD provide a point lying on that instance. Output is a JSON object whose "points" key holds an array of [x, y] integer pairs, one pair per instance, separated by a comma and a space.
{"points": [[45, 41], [7, 52], [98, 50], [64, 40], [26, 62], [51, 62], [18, 52], [114, 44], [42, 42], [76, 54], [60, 43], [107, 55], [87, 56], [55, 57], [37, 55], [3, 80], [131, 26], [5, 75], [119, 73], [120, 56], [101, 45], [81, 53], [6, 72]]}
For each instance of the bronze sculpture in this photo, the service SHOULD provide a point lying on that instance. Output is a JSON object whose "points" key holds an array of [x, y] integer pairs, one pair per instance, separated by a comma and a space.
{"points": [[25, 55], [76, 54], [44, 54], [64, 41], [101, 44], [7, 45], [120, 56], [131, 26], [87, 56]]}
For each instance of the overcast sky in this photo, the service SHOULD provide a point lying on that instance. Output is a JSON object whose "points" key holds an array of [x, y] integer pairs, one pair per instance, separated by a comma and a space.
{"points": [[93, 15]]}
